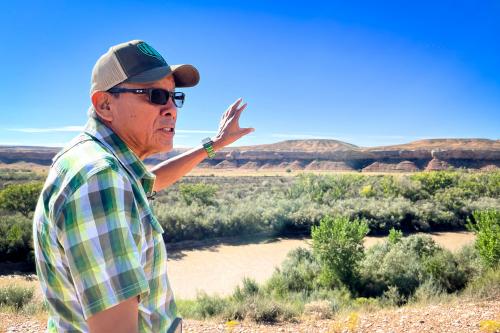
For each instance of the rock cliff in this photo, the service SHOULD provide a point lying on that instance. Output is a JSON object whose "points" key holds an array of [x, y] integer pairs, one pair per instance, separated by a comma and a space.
{"points": [[433, 154]]}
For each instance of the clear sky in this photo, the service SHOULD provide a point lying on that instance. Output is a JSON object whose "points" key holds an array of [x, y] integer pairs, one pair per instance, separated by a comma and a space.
{"points": [[366, 72]]}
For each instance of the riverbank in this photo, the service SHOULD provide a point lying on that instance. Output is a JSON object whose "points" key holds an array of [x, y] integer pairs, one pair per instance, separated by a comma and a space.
{"points": [[219, 268]]}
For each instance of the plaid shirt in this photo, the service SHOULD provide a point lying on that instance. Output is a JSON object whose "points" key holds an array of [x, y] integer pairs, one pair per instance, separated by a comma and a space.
{"points": [[96, 240]]}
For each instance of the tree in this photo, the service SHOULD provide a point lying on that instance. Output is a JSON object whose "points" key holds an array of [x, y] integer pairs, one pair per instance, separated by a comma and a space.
{"points": [[338, 243], [487, 229], [21, 198]]}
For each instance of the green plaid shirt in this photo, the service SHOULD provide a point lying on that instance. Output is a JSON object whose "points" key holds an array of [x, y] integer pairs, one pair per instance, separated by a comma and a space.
{"points": [[96, 240]]}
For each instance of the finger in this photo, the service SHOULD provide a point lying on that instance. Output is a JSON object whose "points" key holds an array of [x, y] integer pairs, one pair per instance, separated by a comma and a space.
{"points": [[248, 130], [238, 101], [231, 107], [230, 110], [235, 105], [242, 107], [238, 113]]}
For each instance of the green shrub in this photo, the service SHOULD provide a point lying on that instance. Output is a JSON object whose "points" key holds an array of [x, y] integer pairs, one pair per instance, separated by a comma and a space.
{"points": [[397, 264], [319, 309], [264, 310], [365, 304], [435, 180], [186, 308], [338, 297], [13, 176], [413, 261], [367, 191], [480, 184], [20, 198], [285, 205], [16, 238], [389, 186], [401, 269], [395, 236], [338, 243], [207, 306], [427, 291], [249, 288], [202, 193], [392, 297], [298, 273], [420, 245], [444, 270], [487, 229], [485, 286], [15, 296], [469, 261]]}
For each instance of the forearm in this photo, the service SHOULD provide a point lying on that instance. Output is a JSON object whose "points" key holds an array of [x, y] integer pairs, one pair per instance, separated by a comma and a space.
{"points": [[171, 170]]}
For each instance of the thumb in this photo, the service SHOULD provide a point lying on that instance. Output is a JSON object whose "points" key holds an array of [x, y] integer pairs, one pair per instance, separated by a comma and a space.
{"points": [[248, 130]]}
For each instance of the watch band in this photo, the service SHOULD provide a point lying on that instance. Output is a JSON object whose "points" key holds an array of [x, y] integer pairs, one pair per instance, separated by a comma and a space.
{"points": [[208, 145]]}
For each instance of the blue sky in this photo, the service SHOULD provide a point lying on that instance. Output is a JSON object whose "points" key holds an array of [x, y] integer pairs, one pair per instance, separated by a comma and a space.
{"points": [[366, 72]]}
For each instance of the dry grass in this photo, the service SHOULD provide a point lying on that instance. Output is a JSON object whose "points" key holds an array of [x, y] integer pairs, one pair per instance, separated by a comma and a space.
{"points": [[25, 281], [276, 172]]}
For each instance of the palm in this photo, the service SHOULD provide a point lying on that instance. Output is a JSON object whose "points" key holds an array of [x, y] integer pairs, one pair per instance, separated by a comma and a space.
{"points": [[229, 128]]}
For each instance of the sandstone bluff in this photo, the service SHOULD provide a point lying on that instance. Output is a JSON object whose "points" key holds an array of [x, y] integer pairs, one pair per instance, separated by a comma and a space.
{"points": [[431, 154]]}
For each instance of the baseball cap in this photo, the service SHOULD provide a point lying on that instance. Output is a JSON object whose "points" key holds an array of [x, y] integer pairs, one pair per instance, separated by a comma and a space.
{"points": [[138, 62]]}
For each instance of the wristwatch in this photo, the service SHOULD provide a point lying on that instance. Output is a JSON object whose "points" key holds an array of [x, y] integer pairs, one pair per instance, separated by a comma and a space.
{"points": [[208, 145]]}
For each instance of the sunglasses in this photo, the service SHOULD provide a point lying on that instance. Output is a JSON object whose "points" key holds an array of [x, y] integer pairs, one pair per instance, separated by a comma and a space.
{"points": [[156, 95]]}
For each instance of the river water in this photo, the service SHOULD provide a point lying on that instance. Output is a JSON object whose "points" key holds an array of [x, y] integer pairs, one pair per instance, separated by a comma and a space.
{"points": [[218, 269]]}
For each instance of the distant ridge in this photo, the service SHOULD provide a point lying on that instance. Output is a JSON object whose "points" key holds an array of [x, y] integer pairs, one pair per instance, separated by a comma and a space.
{"points": [[309, 145], [446, 144], [322, 154]]}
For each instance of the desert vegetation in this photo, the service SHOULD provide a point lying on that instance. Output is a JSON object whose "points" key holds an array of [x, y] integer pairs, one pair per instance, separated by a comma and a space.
{"points": [[201, 207], [399, 271], [204, 207], [337, 210]]}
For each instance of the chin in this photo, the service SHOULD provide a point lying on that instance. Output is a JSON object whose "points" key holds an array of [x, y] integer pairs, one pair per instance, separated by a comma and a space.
{"points": [[166, 148], [159, 149]]}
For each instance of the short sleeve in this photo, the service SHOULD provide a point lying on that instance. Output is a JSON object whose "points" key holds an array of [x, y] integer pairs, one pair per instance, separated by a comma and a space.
{"points": [[99, 230]]}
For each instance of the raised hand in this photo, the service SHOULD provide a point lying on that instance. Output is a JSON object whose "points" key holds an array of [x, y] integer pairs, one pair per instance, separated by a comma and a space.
{"points": [[229, 128]]}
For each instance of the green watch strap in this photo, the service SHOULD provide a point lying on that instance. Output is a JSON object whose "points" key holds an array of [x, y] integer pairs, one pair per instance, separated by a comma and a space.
{"points": [[208, 145]]}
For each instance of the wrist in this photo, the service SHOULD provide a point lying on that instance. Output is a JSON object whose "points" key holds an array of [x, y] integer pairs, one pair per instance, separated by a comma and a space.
{"points": [[217, 144], [208, 146]]}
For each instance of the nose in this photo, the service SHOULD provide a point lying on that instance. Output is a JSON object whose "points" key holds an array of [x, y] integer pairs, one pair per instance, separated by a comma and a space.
{"points": [[169, 110]]}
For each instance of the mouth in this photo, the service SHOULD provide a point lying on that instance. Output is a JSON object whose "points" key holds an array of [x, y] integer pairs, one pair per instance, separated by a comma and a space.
{"points": [[168, 130]]}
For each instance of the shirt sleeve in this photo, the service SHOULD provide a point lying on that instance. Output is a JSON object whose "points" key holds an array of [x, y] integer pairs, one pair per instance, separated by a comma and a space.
{"points": [[100, 233]]}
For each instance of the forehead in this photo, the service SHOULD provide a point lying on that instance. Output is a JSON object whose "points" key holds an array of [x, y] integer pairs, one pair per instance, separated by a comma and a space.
{"points": [[167, 82]]}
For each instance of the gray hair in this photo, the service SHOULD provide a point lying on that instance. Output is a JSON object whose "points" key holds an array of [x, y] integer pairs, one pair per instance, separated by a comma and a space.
{"points": [[91, 113]]}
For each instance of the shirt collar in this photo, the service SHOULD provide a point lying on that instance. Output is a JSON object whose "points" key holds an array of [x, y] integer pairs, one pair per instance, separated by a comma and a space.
{"points": [[123, 153]]}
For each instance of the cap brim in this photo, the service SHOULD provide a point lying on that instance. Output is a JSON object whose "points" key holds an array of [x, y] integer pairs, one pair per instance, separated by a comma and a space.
{"points": [[184, 75]]}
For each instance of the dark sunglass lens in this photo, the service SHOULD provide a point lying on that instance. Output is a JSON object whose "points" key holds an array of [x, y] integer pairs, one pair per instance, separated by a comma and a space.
{"points": [[159, 96], [179, 99]]}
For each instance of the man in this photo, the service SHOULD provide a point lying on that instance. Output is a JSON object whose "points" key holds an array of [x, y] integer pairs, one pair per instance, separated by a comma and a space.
{"points": [[100, 255]]}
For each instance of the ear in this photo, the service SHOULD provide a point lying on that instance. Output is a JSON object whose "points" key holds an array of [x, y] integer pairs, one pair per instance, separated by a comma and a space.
{"points": [[102, 101]]}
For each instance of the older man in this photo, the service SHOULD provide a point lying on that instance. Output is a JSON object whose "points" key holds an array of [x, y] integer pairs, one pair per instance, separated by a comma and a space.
{"points": [[99, 249]]}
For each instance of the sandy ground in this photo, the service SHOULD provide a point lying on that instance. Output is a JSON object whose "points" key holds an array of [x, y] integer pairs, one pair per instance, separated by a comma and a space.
{"points": [[461, 316], [218, 269]]}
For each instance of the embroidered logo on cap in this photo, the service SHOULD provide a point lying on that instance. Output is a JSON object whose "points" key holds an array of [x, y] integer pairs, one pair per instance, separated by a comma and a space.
{"points": [[149, 51]]}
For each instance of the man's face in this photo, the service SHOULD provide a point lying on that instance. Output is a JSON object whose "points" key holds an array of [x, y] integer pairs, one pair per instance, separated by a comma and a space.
{"points": [[144, 126]]}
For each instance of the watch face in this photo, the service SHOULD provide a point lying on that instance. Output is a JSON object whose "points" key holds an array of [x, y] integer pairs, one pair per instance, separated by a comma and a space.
{"points": [[206, 140]]}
